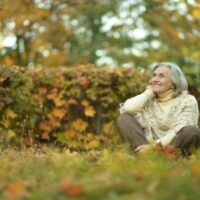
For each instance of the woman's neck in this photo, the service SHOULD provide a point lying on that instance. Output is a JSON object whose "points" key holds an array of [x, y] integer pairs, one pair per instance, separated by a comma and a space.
{"points": [[166, 96]]}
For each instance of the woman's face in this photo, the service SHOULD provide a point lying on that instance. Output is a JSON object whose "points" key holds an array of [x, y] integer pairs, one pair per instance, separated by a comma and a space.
{"points": [[160, 80]]}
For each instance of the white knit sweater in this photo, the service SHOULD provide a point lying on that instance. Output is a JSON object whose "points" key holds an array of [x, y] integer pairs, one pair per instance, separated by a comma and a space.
{"points": [[164, 116]]}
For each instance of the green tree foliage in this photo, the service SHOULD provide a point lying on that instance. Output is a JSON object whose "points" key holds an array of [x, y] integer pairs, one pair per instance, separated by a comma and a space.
{"points": [[54, 32], [173, 33], [117, 32]]}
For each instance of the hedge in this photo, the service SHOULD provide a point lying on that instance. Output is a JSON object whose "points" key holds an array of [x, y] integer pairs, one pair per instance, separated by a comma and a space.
{"points": [[74, 106]]}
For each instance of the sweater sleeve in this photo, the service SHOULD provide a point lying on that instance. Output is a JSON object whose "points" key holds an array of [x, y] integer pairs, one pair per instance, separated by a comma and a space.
{"points": [[189, 116], [136, 103]]}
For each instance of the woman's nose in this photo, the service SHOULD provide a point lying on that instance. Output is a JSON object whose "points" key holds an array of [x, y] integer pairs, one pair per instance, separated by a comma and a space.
{"points": [[154, 78]]}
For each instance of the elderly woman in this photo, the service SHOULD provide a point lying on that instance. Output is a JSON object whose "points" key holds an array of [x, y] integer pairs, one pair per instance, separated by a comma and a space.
{"points": [[164, 113]]}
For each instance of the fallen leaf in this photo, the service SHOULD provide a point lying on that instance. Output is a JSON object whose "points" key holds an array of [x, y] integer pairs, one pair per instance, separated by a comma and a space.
{"points": [[71, 189], [17, 189]]}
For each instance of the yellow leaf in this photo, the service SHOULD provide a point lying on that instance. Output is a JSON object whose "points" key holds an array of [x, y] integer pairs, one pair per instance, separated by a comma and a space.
{"points": [[85, 103], [60, 113], [10, 114], [16, 189], [70, 134], [89, 111], [6, 123], [196, 13], [59, 102], [11, 134], [93, 144], [79, 125], [195, 54], [90, 136], [107, 127], [194, 166]]}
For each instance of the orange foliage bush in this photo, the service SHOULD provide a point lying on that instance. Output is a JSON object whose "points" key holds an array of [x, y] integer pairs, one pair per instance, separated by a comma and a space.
{"points": [[75, 106]]}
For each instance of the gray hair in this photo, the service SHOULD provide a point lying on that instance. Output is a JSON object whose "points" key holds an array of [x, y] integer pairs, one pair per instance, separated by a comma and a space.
{"points": [[176, 76]]}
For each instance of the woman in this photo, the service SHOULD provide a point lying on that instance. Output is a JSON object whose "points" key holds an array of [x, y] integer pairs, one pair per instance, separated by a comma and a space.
{"points": [[164, 113]]}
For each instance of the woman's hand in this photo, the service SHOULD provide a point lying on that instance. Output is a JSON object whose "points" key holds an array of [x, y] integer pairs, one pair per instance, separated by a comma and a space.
{"points": [[142, 148], [149, 87]]}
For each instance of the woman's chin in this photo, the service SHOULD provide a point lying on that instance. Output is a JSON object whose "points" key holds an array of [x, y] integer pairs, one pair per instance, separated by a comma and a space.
{"points": [[157, 92]]}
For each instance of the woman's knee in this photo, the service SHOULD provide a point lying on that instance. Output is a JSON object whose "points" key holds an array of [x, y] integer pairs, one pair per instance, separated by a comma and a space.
{"points": [[122, 118], [190, 132]]}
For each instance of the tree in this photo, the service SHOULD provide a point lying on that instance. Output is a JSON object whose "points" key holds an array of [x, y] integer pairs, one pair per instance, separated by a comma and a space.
{"points": [[54, 32], [116, 32]]}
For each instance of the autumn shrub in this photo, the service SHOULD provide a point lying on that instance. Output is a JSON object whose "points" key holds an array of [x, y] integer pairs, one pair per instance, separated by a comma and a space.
{"points": [[75, 106]]}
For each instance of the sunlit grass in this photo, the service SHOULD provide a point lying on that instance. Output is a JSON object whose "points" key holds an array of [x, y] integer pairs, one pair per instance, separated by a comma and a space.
{"points": [[110, 174]]}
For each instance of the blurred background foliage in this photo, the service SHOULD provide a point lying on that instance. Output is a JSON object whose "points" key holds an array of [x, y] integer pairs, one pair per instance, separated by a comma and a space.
{"points": [[75, 106], [101, 32]]}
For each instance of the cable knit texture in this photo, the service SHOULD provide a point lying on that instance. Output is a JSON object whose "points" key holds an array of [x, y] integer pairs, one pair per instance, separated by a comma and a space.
{"points": [[162, 117]]}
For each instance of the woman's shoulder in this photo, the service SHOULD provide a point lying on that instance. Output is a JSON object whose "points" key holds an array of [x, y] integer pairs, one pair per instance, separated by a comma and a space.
{"points": [[185, 97]]}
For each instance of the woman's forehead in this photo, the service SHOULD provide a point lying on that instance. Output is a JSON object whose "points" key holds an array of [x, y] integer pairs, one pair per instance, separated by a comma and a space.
{"points": [[164, 70]]}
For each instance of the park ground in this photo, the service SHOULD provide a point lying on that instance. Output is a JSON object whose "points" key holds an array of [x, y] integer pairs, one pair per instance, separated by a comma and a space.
{"points": [[113, 173]]}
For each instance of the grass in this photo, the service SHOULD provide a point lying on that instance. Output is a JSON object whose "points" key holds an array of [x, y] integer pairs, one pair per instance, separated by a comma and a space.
{"points": [[109, 174]]}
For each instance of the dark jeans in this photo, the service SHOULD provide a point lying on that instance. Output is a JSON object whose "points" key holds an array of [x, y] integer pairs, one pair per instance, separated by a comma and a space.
{"points": [[131, 131]]}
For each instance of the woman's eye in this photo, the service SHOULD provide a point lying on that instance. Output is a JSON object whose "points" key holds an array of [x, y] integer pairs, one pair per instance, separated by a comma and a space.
{"points": [[161, 76]]}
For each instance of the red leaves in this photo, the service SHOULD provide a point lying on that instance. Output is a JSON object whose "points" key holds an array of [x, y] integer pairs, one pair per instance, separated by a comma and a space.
{"points": [[17, 189], [58, 113], [72, 101], [71, 189], [42, 90], [84, 82], [66, 102], [88, 109], [53, 93], [45, 136], [168, 151]]}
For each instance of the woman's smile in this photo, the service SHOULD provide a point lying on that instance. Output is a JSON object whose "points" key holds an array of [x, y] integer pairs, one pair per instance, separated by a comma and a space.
{"points": [[160, 80]]}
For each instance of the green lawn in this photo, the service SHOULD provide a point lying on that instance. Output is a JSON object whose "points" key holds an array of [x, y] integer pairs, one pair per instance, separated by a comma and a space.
{"points": [[109, 174]]}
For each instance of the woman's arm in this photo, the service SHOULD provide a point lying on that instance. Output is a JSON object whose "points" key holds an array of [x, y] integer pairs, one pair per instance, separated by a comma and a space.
{"points": [[189, 116], [136, 103]]}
